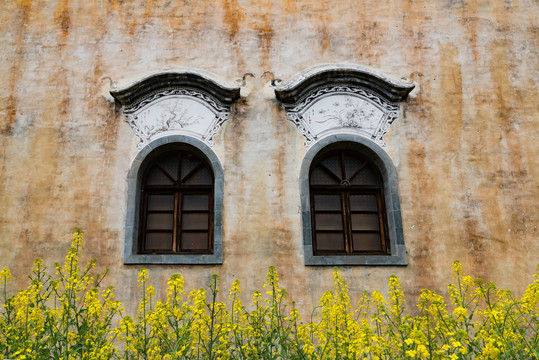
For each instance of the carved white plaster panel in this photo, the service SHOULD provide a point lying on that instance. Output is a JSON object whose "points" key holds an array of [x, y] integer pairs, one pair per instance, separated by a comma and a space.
{"points": [[176, 111], [342, 108]]}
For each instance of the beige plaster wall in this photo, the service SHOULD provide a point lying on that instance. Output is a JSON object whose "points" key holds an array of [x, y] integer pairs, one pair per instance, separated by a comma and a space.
{"points": [[466, 147]]}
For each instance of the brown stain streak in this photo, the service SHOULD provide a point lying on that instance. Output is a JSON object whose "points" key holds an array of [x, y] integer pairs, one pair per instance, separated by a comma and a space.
{"points": [[178, 15], [283, 236], [370, 32], [453, 123], [8, 119], [290, 6], [16, 69], [453, 132], [423, 204], [200, 13], [265, 36], [234, 137], [232, 17], [41, 195], [471, 19], [62, 17], [148, 9], [514, 173], [413, 25], [37, 205], [324, 33], [450, 117]]}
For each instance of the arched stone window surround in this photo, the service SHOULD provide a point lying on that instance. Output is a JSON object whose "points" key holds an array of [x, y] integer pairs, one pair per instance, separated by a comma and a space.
{"points": [[389, 173], [137, 169]]}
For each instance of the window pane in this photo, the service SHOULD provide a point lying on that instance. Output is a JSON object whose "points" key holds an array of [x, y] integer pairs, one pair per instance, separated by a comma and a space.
{"points": [[363, 203], [352, 164], [161, 202], [367, 242], [328, 221], [157, 177], [329, 241], [327, 202], [201, 177], [320, 177], [158, 241], [159, 222], [366, 177], [194, 241], [346, 217], [195, 202], [365, 222], [189, 162], [177, 203], [333, 163], [170, 165], [195, 221]]}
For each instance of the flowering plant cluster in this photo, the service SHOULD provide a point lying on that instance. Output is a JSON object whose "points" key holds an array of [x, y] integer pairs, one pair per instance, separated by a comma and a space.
{"points": [[71, 315]]}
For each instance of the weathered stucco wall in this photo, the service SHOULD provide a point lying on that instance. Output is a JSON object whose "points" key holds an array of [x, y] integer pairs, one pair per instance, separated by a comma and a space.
{"points": [[465, 148]]}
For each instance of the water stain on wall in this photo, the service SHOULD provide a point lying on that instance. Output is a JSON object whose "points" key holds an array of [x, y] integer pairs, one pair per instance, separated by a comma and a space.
{"points": [[18, 26], [62, 16], [424, 251], [265, 35], [233, 17]]}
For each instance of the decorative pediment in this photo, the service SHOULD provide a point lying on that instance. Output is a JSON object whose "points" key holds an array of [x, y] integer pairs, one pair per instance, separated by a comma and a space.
{"points": [[337, 98], [184, 102]]}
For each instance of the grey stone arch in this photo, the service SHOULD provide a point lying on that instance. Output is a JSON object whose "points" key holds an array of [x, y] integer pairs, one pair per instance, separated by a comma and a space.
{"points": [[391, 193], [134, 178]]}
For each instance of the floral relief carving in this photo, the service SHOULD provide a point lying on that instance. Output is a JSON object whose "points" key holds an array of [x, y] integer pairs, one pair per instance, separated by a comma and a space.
{"points": [[172, 117], [176, 111], [352, 114], [342, 108]]}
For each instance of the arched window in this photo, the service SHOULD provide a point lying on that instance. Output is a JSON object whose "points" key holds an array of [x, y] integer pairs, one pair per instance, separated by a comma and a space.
{"points": [[347, 205], [350, 204], [177, 205], [174, 204]]}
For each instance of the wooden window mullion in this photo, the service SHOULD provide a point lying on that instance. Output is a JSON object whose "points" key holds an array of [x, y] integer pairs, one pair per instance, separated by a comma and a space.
{"points": [[143, 219], [343, 170], [381, 216], [210, 225], [347, 221], [313, 224], [175, 235]]}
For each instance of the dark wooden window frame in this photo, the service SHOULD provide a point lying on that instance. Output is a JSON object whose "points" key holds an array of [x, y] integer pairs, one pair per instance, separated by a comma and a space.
{"points": [[344, 190], [179, 190]]}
